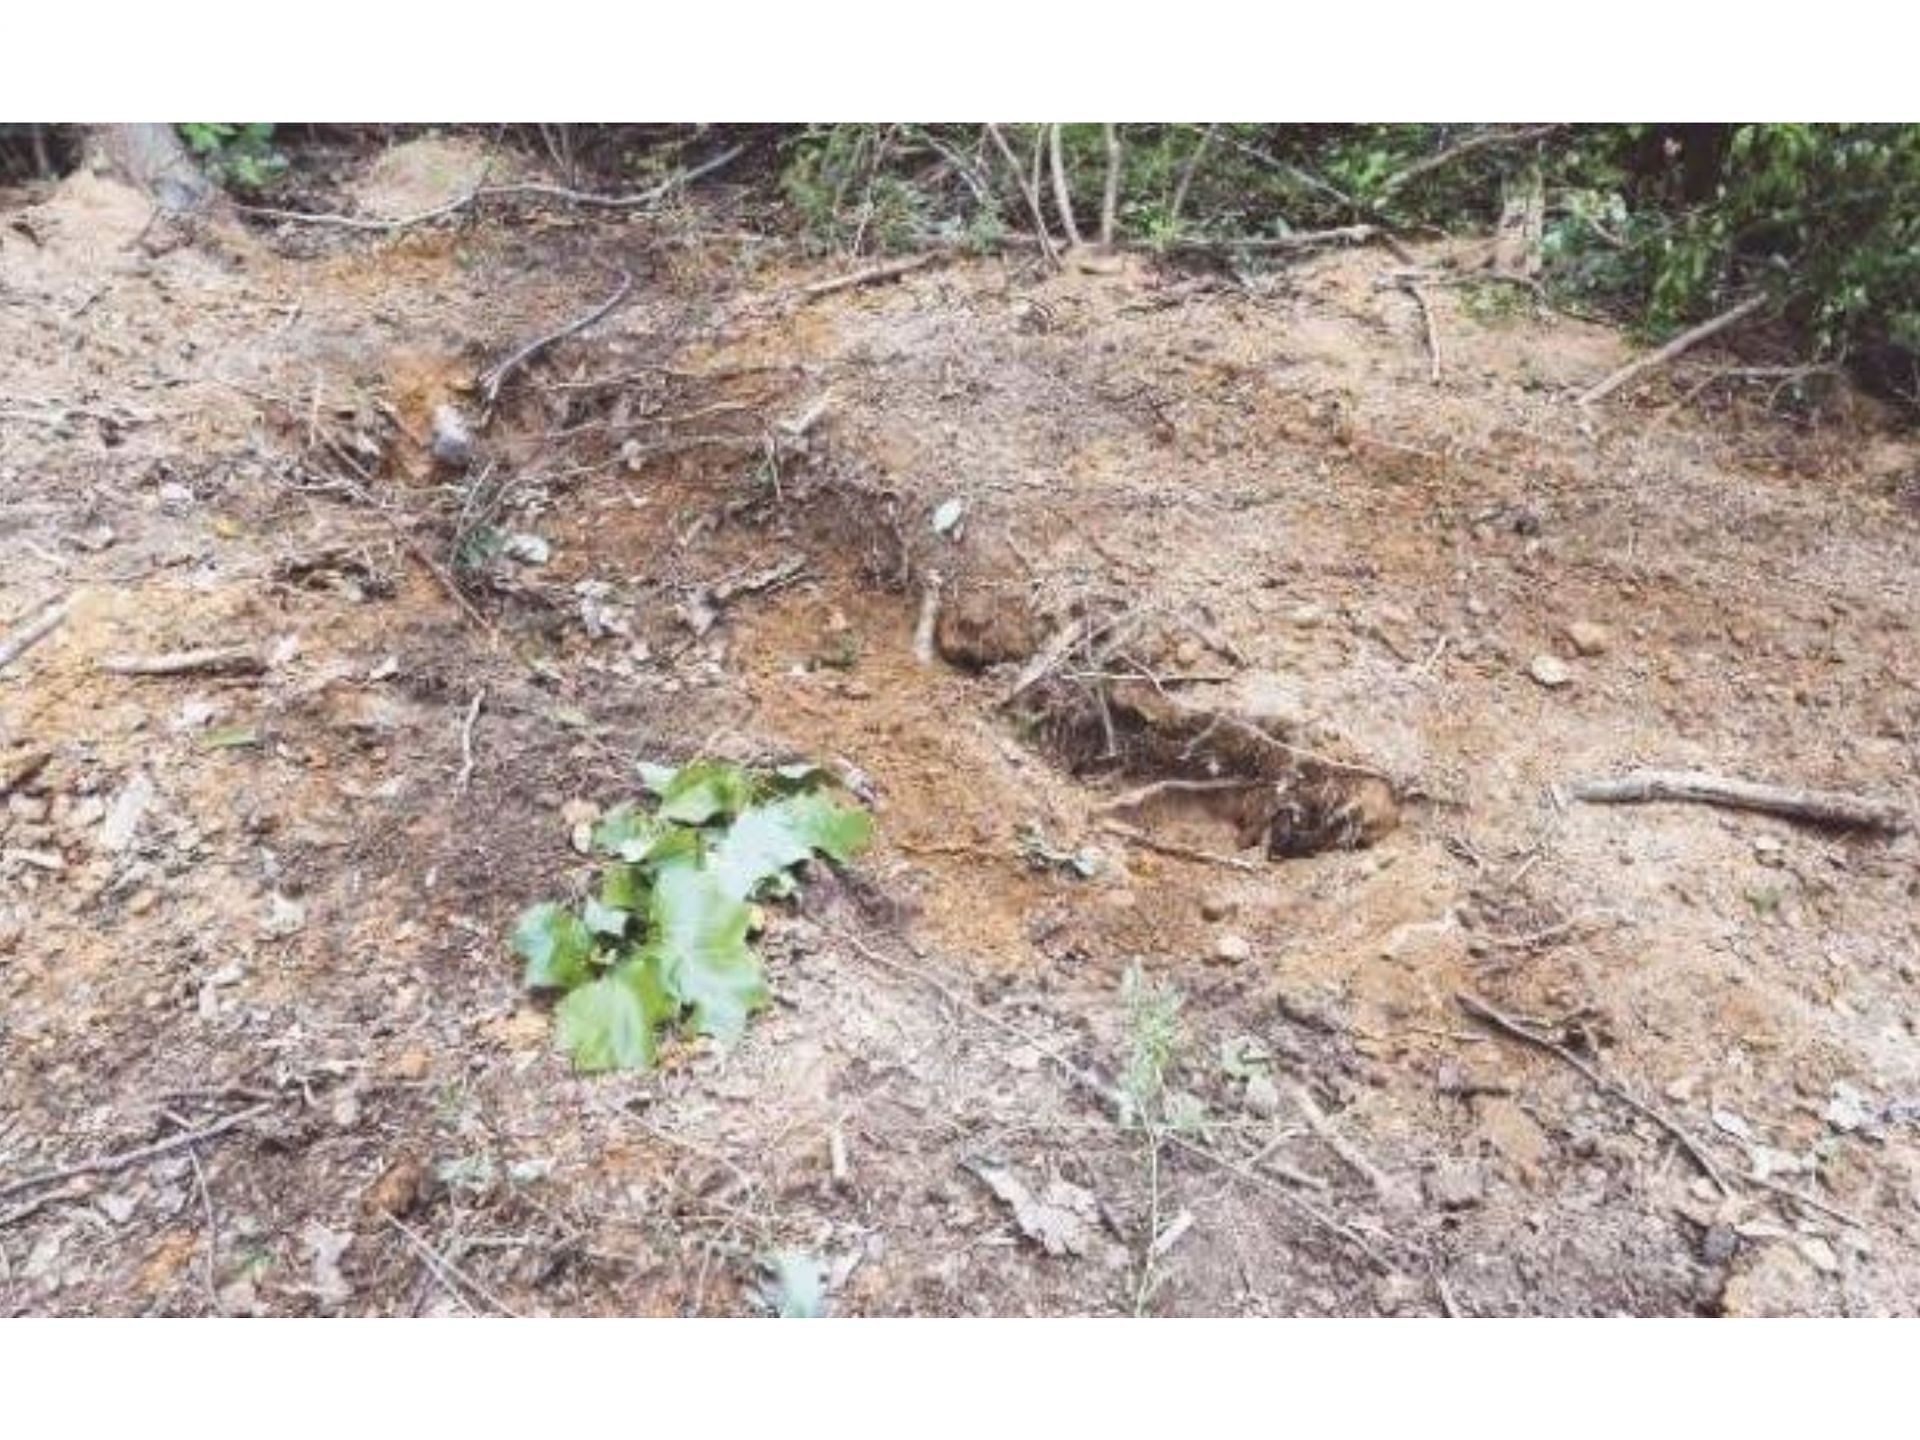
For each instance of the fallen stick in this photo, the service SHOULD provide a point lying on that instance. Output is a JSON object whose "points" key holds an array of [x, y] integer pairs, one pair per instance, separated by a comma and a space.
{"points": [[1679, 345], [1323, 1127], [465, 775], [1820, 807], [1466, 147], [1133, 799], [1507, 1025], [1299, 240], [491, 382], [107, 1164], [456, 1280], [1413, 288], [32, 633], [872, 275], [1133, 835], [929, 620], [219, 660]]}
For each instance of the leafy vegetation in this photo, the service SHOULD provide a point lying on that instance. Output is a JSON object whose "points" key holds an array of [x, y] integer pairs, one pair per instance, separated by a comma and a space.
{"points": [[240, 156], [1661, 225], [664, 942]]}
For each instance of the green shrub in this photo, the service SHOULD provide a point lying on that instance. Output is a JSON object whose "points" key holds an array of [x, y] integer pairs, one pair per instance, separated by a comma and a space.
{"points": [[242, 157], [664, 941]]}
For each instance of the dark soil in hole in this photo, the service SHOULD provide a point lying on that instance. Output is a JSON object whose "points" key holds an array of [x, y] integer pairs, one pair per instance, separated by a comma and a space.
{"points": [[1214, 768]]}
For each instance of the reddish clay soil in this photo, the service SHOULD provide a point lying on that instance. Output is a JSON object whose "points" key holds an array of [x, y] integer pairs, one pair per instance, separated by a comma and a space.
{"points": [[1232, 669]]}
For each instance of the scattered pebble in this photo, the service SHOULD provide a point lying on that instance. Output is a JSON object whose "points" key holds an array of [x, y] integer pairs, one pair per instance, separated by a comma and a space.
{"points": [[285, 916], [1718, 1244], [1457, 1185], [1232, 949], [1551, 671], [1588, 638], [1263, 1096]]}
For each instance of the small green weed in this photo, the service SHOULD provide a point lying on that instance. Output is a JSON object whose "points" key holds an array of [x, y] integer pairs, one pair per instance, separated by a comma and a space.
{"points": [[664, 943], [240, 156]]}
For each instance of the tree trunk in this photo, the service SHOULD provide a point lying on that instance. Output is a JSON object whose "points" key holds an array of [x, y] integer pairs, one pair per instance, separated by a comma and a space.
{"points": [[152, 159]]}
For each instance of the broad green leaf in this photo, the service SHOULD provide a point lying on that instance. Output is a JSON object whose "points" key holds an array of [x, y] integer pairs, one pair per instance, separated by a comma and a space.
{"points": [[605, 919], [700, 940], [622, 826], [655, 778], [613, 1023], [768, 838], [555, 944], [623, 887], [801, 775], [703, 791]]}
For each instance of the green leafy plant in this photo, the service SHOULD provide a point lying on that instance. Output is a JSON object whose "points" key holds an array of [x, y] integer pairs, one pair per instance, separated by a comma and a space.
{"points": [[240, 156], [664, 942]]}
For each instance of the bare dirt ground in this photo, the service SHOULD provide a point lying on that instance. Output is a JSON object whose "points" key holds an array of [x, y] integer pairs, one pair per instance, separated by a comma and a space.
{"points": [[251, 925]]}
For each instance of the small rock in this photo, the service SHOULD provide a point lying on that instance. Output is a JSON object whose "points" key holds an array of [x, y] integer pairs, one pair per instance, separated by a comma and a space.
{"points": [[239, 1299], [1551, 671], [1588, 638], [1457, 1185], [414, 1065], [117, 1207], [285, 916], [1848, 1109], [1262, 1096], [400, 1188], [1232, 949], [325, 1247], [579, 816], [123, 820], [452, 438], [1213, 908], [1718, 1244]]}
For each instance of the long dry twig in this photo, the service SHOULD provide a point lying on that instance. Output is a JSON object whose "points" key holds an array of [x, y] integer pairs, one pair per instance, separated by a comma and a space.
{"points": [[1466, 147], [1821, 807], [493, 379], [1298, 240], [217, 660], [1679, 345], [107, 1164], [1526, 1034], [465, 775], [448, 1273], [872, 274], [1420, 298], [32, 633]]}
